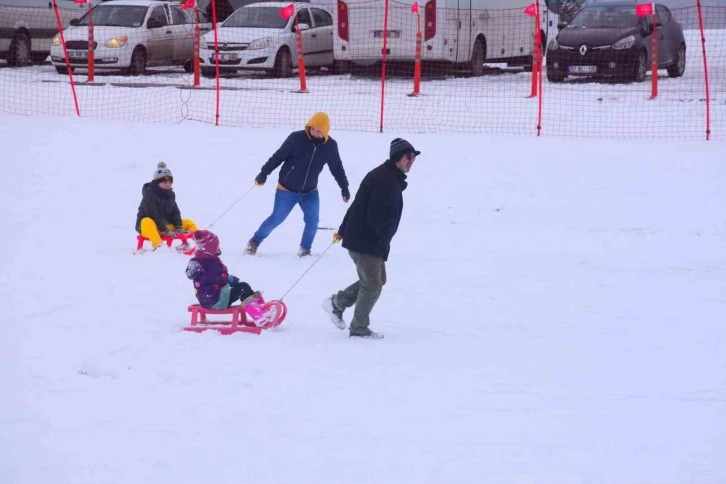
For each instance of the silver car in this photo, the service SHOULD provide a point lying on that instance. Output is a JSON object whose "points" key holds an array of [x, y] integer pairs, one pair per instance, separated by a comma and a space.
{"points": [[28, 26]]}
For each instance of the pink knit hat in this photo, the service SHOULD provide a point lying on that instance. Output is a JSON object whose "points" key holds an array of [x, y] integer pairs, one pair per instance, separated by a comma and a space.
{"points": [[207, 242]]}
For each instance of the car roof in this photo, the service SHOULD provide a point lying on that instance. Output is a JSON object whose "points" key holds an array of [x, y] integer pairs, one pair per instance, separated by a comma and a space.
{"points": [[135, 3], [277, 4], [619, 4]]}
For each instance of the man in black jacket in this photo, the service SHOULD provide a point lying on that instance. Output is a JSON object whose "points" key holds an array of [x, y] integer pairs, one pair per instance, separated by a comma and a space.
{"points": [[367, 230], [303, 156]]}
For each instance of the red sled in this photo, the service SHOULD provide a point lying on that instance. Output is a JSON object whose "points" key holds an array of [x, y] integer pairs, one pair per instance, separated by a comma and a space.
{"points": [[184, 238], [266, 315]]}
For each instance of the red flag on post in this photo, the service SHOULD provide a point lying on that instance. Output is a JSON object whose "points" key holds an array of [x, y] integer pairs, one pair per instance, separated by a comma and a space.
{"points": [[414, 7], [187, 5], [644, 10], [531, 10], [287, 12]]}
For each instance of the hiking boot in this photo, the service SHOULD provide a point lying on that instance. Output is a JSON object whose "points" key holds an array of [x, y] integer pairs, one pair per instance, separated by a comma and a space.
{"points": [[251, 248], [336, 314], [366, 333], [303, 252]]}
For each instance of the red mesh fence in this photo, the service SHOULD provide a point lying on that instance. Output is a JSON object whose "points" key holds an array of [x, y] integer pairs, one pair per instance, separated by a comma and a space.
{"points": [[391, 65]]}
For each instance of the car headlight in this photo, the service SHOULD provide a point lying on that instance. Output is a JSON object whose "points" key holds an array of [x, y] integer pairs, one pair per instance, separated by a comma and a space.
{"points": [[553, 45], [117, 41], [56, 40], [625, 43], [259, 44]]}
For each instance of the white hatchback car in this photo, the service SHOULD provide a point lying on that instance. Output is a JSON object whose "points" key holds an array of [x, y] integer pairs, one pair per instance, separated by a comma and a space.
{"points": [[257, 37], [129, 35]]}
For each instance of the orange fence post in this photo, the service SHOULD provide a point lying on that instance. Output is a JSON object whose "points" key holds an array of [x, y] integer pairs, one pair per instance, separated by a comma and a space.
{"points": [[417, 61], [300, 58], [654, 60], [91, 66], [65, 54]]}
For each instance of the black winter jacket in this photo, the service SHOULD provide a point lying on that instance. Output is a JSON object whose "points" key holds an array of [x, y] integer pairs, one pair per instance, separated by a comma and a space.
{"points": [[373, 217], [304, 158], [159, 205]]}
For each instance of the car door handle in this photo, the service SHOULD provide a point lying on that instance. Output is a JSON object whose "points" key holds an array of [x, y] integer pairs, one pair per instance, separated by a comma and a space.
{"points": [[314, 35], [50, 5], [168, 31]]}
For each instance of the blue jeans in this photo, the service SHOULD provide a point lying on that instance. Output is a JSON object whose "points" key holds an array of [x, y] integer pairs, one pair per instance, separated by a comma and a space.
{"points": [[285, 201]]}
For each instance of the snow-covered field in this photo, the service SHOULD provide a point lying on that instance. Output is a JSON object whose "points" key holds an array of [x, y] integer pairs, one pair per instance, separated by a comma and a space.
{"points": [[493, 104], [551, 316]]}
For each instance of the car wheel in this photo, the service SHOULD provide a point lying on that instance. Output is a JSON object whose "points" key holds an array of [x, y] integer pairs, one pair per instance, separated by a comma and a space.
{"points": [[19, 52], [283, 63], [478, 56], [640, 67], [62, 70], [138, 62], [209, 72], [188, 67], [679, 66]]}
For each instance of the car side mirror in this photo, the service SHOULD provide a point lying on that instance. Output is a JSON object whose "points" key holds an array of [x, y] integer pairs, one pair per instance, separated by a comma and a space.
{"points": [[561, 25], [74, 21], [302, 27], [154, 23]]}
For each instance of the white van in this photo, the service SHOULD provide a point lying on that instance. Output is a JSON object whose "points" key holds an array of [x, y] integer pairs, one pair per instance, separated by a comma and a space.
{"points": [[463, 33], [28, 26]]}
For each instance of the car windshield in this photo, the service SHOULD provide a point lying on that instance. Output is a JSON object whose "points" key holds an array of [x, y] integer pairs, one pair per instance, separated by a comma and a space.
{"points": [[256, 18], [606, 17], [116, 16]]}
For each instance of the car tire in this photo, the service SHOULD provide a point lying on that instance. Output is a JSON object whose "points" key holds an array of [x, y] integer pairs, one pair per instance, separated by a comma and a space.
{"points": [[63, 70], [641, 67], [209, 72], [679, 66], [478, 56], [189, 66], [283, 63], [19, 52], [138, 62]]}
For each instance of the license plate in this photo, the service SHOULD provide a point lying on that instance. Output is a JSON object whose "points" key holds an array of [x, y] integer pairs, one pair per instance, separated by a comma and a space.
{"points": [[392, 34], [583, 69], [81, 54], [225, 57]]}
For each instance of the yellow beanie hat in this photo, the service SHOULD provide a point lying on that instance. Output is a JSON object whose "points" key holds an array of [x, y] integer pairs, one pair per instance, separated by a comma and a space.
{"points": [[321, 122]]}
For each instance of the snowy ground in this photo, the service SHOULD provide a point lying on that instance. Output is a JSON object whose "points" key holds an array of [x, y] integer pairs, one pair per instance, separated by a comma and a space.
{"points": [[550, 317], [496, 103]]}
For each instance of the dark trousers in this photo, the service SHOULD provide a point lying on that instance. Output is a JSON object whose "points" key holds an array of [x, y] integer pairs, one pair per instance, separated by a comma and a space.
{"points": [[363, 293], [240, 291]]}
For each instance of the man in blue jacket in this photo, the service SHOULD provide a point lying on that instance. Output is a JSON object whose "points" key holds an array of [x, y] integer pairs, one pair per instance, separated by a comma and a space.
{"points": [[303, 156]]}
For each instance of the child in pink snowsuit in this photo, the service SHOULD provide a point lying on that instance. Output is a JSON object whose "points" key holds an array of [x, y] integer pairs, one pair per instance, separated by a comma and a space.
{"points": [[214, 287]]}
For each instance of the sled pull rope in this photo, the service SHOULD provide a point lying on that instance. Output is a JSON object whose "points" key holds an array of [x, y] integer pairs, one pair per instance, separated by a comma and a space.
{"points": [[230, 207], [306, 271]]}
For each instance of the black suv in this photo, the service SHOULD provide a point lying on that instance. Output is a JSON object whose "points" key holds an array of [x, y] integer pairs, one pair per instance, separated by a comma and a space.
{"points": [[610, 40]]}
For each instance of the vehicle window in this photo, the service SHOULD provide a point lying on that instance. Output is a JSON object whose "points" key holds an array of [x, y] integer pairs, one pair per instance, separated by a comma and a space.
{"points": [[179, 16], [322, 18], [116, 16], [224, 10], [606, 17], [256, 18], [303, 17], [159, 14], [663, 16]]}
